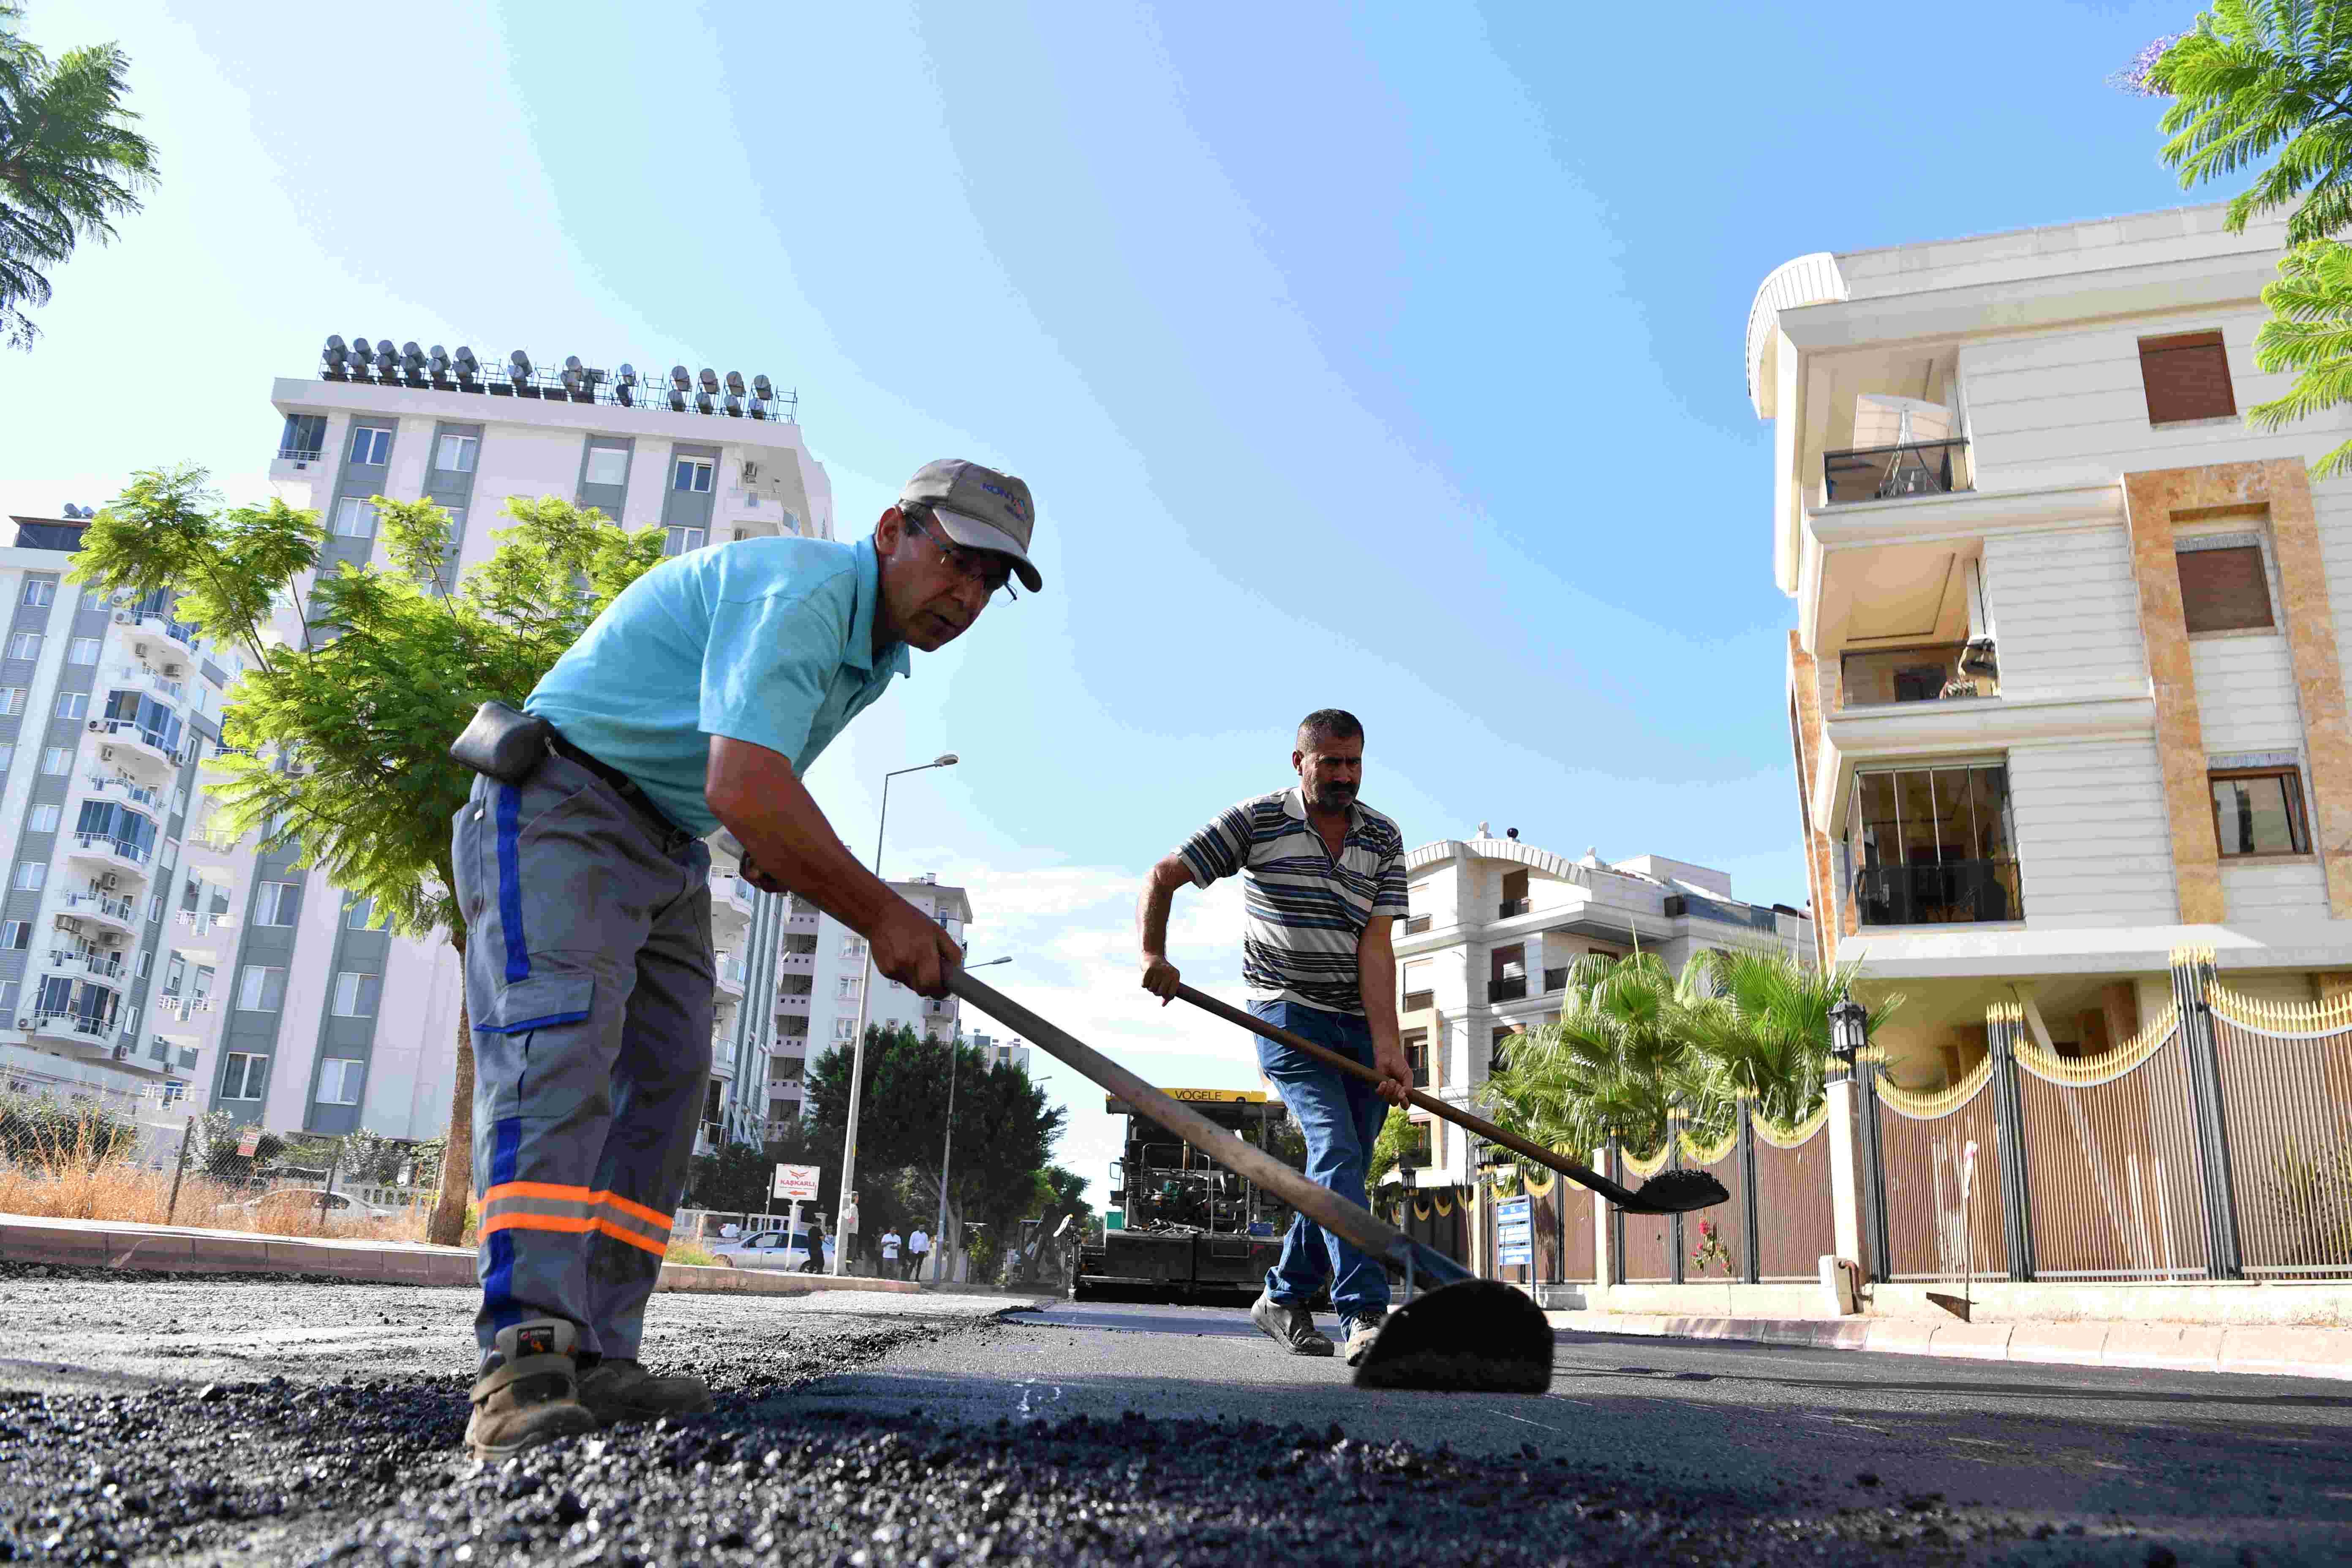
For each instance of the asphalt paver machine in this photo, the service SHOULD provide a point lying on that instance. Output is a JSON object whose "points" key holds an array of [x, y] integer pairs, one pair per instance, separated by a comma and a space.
{"points": [[1190, 1230]]}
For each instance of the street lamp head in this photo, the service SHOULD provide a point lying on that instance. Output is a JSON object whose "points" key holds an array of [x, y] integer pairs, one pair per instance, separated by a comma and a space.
{"points": [[1849, 1029], [944, 760]]}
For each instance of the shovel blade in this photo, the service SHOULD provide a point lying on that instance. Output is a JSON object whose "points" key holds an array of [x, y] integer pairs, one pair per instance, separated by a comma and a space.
{"points": [[1677, 1191], [1477, 1337]]}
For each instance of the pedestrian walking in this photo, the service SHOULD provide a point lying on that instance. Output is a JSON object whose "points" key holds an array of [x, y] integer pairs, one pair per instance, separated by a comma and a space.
{"points": [[815, 1264], [918, 1249], [696, 701], [890, 1244], [1325, 879]]}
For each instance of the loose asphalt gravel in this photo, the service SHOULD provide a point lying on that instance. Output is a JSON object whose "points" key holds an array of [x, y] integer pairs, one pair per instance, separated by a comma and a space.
{"points": [[155, 1419]]}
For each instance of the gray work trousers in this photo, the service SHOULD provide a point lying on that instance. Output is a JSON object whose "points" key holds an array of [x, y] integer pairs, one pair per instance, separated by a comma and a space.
{"points": [[589, 982]]}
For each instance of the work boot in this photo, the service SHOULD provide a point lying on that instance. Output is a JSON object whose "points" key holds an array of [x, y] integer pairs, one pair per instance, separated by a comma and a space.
{"points": [[529, 1393], [617, 1389], [1358, 1334], [1292, 1327]]}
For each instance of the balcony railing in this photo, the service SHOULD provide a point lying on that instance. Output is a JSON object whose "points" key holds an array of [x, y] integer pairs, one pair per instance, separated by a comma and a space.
{"points": [[101, 965], [1421, 1075], [123, 785], [108, 844], [1948, 892], [1415, 925], [1419, 1001], [1928, 673], [1510, 907], [99, 903], [1556, 979], [298, 454], [1881, 473], [1511, 988]]}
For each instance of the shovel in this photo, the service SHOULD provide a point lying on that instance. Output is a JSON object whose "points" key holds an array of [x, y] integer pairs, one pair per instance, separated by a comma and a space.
{"points": [[1468, 1335], [1668, 1192]]}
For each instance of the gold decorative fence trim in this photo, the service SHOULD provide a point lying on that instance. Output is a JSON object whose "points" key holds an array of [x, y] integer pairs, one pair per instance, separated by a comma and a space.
{"points": [[1443, 1205], [2105, 1067], [1648, 1165], [1539, 1189], [1933, 1103], [1694, 1156], [2182, 957], [1421, 1211], [1793, 1137], [2332, 1017]]}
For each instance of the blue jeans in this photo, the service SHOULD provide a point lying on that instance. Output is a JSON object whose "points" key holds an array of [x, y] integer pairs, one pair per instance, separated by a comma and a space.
{"points": [[1341, 1116]]}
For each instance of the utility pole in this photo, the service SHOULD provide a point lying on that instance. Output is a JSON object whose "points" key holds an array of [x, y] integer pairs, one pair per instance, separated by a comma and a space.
{"points": [[947, 1145]]}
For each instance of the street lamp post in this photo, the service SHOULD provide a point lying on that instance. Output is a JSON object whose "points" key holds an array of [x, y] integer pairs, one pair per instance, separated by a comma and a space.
{"points": [[864, 992], [947, 1146]]}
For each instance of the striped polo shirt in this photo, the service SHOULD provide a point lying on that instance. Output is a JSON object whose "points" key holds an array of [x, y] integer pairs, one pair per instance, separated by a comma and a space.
{"points": [[1307, 910]]}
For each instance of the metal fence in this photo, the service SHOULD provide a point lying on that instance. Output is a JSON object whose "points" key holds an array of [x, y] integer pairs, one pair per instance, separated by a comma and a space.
{"points": [[1795, 1221], [2284, 1075], [1645, 1251], [1928, 1231]]}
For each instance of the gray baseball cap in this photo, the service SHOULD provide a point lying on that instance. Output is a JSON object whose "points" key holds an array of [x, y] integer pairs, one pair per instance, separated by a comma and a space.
{"points": [[980, 509]]}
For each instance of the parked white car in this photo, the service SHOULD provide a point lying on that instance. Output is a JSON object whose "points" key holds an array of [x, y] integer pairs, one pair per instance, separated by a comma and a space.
{"points": [[769, 1249], [290, 1201]]}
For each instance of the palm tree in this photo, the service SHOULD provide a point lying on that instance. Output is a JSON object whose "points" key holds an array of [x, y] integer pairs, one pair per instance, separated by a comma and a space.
{"points": [[1759, 1021], [1611, 1067], [70, 163]]}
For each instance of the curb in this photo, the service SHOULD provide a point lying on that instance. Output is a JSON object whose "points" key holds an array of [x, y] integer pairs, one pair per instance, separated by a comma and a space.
{"points": [[2162, 1347], [183, 1249]]}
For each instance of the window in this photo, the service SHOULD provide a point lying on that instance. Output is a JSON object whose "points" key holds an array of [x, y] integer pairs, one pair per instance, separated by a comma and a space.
{"points": [[682, 539], [9, 990], [40, 591], [171, 856], [846, 986], [2225, 589], [261, 990], [2259, 811], [853, 947], [32, 876], [1933, 846], [691, 474], [15, 935], [12, 699], [146, 961], [455, 454], [276, 903], [360, 913], [72, 704], [155, 907], [2186, 376], [242, 1075], [7, 755], [355, 518], [371, 445], [25, 644], [304, 436], [355, 992], [82, 650], [608, 466], [43, 819], [56, 760], [339, 1081], [845, 1029]]}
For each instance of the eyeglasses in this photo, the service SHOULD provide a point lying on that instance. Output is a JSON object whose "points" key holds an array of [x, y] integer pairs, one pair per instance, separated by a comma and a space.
{"points": [[974, 565]]}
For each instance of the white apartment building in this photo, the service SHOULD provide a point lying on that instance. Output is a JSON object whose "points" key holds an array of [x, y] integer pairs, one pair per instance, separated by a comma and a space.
{"points": [[821, 971], [147, 953], [998, 1053], [2066, 681], [1495, 926]]}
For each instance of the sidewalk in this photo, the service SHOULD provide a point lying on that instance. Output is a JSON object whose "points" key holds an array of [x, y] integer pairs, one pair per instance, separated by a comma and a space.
{"points": [[2285, 1352], [186, 1249]]}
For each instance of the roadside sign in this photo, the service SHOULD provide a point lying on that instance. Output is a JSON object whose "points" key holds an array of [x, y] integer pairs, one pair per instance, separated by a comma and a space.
{"points": [[1514, 1233], [250, 1145], [796, 1183]]}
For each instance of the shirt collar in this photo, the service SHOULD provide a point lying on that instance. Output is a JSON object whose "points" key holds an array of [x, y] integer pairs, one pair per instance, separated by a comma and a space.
{"points": [[1294, 804], [859, 654]]}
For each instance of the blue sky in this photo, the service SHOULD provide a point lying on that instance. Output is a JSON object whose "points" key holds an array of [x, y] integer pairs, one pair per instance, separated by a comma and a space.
{"points": [[1384, 360]]}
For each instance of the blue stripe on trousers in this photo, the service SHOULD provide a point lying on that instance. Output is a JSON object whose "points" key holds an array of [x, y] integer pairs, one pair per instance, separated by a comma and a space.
{"points": [[510, 883], [498, 1284]]}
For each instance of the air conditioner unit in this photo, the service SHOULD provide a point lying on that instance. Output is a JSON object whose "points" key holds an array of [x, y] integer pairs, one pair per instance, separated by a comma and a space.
{"points": [[750, 470], [172, 672], [106, 753], [69, 923], [96, 725], [123, 619], [24, 1023], [108, 880], [139, 650]]}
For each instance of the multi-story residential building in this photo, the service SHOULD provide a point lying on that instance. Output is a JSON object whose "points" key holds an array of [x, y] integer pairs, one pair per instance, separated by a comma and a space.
{"points": [[821, 971], [2066, 685], [109, 925], [1496, 927], [998, 1053], [142, 952]]}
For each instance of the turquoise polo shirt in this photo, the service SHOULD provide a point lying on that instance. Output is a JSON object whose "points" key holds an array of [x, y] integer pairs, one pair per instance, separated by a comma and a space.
{"points": [[765, 641]]}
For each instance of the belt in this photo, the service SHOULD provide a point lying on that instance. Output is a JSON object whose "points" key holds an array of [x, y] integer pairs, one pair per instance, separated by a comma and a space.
{"points": [[631, 795]]}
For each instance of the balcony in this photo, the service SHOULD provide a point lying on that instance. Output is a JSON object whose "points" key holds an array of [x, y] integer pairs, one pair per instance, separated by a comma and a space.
{"points": [[182, 633], [203, 920], [1510, 907], [119, 855], [143, 674], [1933, 673], [1952, 892], [1415, 925], [731, 975], [1510, 988], [1886, 473], [795, 1003], [107, 966], [99, 907], [80, 1028], [796, 964], [731, 894], [123, 787], [127, 741], [1419, 1001]]}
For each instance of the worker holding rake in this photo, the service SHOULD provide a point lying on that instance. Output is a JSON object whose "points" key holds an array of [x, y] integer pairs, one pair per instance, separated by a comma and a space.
{"points": [[1325, 880], [696, 701]]}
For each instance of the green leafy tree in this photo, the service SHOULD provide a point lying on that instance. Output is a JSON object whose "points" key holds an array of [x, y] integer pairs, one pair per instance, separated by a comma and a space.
{"points": [[337, 735], [1611, 1065], [1759, 1021], [70, 163], [2263, 88], [1398, 1141]]}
